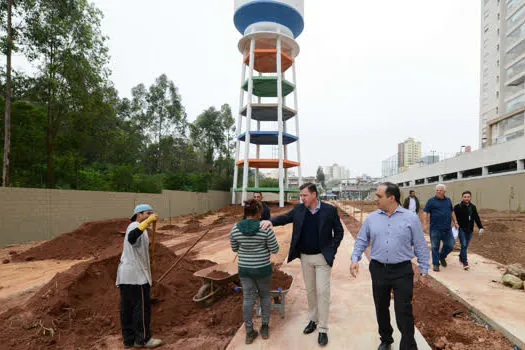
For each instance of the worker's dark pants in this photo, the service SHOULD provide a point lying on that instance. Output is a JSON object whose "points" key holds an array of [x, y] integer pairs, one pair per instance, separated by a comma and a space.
{"points": [[400, 279], [135, 313]]}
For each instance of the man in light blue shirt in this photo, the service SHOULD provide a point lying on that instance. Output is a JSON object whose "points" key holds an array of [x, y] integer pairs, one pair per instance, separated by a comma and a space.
{"points": [[397, 236]]}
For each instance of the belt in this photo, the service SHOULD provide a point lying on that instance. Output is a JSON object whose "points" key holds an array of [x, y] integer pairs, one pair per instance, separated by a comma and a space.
{"points": [[394, 266]]}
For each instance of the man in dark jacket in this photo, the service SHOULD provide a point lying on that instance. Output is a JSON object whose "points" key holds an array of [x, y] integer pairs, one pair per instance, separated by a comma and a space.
{"points": [[411, 202], [466, 214], [317, 233], [265, 215]]}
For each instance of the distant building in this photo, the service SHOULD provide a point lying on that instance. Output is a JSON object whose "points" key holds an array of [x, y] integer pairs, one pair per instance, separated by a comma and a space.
{"points": [[293, 181], [408, 153], [335, 172], [389, 166], [431, 159]]}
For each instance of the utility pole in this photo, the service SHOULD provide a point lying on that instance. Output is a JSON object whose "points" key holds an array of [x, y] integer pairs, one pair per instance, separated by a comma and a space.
{"points": [[7, 140]]}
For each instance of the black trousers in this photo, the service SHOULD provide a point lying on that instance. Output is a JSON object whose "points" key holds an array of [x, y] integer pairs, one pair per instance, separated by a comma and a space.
{"points": [[400, 279], [135, 313]]}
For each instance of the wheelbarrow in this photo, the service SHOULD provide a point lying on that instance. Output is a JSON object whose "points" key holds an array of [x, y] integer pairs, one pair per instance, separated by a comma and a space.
{"points": [[279, 298], [212, 285]]}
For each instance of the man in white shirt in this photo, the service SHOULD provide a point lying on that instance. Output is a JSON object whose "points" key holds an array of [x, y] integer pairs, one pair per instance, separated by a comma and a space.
{"points": [[411, 202], [134, 281]]}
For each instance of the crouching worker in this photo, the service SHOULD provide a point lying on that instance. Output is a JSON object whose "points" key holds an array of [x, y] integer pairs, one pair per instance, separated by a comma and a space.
{"points": [[134, 281], [254, 246]]}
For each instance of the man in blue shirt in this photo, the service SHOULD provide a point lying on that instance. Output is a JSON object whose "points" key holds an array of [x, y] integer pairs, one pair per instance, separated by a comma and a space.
{"points": [[396, 236], [441, 213]]}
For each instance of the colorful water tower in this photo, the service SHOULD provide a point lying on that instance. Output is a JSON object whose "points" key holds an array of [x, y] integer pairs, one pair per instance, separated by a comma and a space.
{"points": [[269, 51]]}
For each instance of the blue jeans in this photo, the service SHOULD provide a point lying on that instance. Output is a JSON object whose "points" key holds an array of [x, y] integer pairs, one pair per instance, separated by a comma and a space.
{"points": [[436, 236], [464, 239]]}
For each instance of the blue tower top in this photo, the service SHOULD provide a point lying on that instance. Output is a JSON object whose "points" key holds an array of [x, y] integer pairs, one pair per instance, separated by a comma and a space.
{"points": [[287, 13]]}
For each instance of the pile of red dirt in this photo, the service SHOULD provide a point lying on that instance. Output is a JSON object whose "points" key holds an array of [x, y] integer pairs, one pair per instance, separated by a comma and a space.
{"points": [[79, 307], [447, 324], [281, 280], [87, 241], [192, 227], [218, 275]]}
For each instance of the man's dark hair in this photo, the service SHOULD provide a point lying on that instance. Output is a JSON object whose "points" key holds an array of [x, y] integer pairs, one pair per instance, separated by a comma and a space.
{"points": [[310, 186], [252, 208], [412, 191], [392, 190], [466, 192], [259, 192]]}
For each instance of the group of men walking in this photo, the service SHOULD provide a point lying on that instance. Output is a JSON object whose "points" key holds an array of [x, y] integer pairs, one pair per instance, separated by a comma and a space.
{"points": [[394, 232]]}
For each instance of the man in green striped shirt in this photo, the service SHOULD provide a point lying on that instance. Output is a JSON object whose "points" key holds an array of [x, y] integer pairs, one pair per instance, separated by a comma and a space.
{"points": [[254, 246]]}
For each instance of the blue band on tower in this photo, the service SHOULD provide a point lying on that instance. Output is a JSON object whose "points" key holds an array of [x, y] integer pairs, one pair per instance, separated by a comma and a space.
{"points": [[268, 11]]}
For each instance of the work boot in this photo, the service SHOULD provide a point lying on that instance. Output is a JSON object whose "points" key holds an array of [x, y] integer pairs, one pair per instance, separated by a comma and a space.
{"points": [[265, 331], [436, 268], [310, 328], [250, 336], [151, 343], [443, 262]]}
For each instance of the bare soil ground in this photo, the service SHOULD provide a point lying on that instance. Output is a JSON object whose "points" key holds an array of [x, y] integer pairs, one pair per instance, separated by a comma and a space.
{"points": [[444, 322], [504, 237], [59, 300]]}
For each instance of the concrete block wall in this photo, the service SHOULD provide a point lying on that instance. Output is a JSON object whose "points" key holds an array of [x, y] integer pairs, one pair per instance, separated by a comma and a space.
{"points": [[28, 214], [499, 192]]}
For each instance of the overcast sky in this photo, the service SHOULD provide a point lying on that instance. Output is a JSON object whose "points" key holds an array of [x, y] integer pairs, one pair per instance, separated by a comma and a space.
{"points": [[370, 73]]}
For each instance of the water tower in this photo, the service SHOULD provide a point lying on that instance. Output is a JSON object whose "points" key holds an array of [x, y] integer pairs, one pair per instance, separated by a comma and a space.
{"points": [[269, 51]]}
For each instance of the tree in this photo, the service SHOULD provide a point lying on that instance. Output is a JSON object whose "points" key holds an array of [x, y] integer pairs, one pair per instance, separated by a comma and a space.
{"points": [[7, 128], [320, 178], [65, 42]]}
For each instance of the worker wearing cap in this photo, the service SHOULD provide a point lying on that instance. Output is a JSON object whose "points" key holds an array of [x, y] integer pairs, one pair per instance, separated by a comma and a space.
{"points": [[134, 281]]}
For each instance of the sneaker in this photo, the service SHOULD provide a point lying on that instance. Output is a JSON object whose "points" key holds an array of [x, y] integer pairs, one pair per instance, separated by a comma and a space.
{"points": [[152, 343], [466, 266], [265, 331], [443, 262], [250, 336], [436, 268]]}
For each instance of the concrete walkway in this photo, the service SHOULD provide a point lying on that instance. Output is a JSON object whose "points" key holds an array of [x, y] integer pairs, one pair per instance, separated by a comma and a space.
{"points": [[352, 313], [480, 290]]}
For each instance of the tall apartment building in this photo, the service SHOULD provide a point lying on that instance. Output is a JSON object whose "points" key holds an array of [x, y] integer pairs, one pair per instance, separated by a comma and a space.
{"points": [[335, 172], [408, 153], [502, 98]]}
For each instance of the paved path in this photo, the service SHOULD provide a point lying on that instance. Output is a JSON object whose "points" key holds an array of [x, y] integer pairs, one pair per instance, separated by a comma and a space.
{"points": [[352, 313]]}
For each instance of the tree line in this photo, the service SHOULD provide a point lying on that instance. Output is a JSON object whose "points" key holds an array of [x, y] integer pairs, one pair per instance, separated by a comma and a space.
{"points": [[66, 127]]}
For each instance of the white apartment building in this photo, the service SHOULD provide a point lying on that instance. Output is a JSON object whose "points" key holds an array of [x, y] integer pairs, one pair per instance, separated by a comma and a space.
{"points": [[335, 172], [502, 90]]}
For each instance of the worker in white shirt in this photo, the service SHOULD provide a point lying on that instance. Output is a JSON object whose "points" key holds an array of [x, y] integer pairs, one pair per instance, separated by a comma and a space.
{"points": [[134, 281]]}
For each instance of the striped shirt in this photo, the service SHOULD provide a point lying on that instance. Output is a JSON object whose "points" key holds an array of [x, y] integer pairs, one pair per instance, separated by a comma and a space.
{"points": [[254, 251]]}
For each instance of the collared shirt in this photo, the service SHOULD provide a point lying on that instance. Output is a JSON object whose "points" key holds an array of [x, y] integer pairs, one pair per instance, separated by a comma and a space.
{"points": [[316, 209], [440, 212], [395, 238]]}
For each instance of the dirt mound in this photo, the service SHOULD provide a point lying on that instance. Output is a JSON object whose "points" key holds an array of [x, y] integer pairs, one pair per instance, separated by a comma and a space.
{"points": [[439, 317], [496, 227], [192, 227], [79, 307], [167, 227], [281, 280], [87, 241], [218, 275]]}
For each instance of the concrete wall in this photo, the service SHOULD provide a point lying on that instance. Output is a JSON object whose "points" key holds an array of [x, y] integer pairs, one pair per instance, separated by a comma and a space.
{"points": [[28, 214], [501, 192]]}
